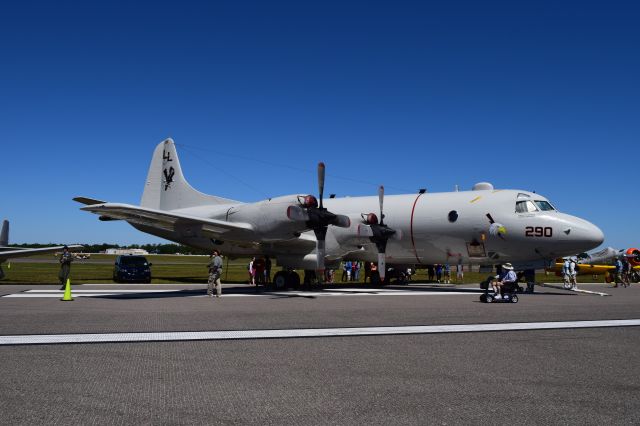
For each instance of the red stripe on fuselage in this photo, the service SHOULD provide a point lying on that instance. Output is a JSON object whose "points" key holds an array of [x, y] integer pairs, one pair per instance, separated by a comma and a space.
{"points": [[413, 242]]}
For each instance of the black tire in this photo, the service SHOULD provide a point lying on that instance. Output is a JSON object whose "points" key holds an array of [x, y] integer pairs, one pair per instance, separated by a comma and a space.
{"points": [[514, 298], [293, 280], [279, 281], [489, 298], [483, 298]]}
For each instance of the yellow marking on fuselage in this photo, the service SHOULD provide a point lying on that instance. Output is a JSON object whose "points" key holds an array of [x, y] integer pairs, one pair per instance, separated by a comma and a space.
{"points": [[475, 199]]}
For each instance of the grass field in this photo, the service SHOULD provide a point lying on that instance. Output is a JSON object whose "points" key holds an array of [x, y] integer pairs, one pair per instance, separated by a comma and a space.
{"points": [[168, 269]]}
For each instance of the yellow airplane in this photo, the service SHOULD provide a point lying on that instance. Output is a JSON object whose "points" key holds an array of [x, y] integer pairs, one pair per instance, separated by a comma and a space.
{"points": [[599, 263]]}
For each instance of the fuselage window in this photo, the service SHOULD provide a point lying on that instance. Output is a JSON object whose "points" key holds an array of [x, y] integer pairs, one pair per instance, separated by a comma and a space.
{"points": [[525, 207], [544, 205]]}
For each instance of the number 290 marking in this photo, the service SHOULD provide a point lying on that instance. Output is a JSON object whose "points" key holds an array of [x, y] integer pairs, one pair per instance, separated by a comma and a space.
{"points": [[538, 231]]}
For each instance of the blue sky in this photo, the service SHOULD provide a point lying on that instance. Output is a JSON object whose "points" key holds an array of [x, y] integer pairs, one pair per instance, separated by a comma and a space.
{"points": [[535, 95]]}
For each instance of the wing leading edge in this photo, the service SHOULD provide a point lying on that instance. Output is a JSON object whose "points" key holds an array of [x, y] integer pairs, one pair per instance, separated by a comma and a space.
{"points": [[174, 222]]}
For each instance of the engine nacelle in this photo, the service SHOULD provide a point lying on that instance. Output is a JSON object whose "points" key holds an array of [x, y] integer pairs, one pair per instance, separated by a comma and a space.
{"points": [[633, 256], [271, 218]]}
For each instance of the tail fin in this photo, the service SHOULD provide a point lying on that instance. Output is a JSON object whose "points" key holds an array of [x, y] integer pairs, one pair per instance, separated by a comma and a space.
{"points": [[166, 187], [4, 234]]}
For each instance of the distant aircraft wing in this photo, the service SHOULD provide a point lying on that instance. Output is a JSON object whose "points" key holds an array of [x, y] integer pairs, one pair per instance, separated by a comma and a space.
{"points": [[174, 222], [18, 252]]}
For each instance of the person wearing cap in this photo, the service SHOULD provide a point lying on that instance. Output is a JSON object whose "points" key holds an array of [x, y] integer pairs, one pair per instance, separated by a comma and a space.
{"points": [[566, 273], [506, 276], [215, 272], [573, 273], [65, 266]]}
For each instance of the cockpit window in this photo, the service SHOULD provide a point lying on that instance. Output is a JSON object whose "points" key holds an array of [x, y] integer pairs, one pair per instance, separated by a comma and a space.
{"points": [[525, 207], [544, 205]]}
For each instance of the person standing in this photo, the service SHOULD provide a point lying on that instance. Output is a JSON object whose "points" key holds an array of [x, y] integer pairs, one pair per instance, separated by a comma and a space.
{"points": [[344, 272], [627, 272], [460, 273], [65, 266], [566, 273], [267, 270], [430, 273], [367, 272], [215, 272], [252, 271], [619, 272], [447, 273], [347, 267], [573, 274], [375, 276], [438, 272]]}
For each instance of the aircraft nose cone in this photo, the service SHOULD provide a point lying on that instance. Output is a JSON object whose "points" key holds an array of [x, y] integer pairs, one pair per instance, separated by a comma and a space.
{"points": [[595, 235], [589, 234]]}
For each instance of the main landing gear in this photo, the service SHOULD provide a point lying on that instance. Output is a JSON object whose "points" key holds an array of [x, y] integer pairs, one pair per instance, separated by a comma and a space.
{"points": [[283, 280]]}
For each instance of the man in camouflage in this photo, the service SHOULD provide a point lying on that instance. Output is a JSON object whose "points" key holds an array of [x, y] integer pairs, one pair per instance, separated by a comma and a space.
{"points": [[65, 266], [215, 272]]}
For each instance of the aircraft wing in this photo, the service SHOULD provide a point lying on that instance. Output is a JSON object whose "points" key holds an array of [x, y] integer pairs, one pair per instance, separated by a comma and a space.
{"points": [[174, 222], [22, 252]]}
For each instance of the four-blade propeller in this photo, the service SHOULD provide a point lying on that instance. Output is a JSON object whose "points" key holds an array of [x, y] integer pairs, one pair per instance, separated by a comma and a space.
{"points": [[378, 233], [318, 219]]}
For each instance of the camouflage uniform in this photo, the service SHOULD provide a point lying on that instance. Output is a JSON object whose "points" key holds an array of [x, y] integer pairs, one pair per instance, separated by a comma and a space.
{"points": [[215, 272], [65, 267]]}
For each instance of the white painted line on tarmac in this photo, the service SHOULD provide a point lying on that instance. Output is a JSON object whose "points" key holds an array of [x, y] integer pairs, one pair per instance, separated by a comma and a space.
{"points": [[339, 292], [596, 293], [98, 291], [45, 339]]}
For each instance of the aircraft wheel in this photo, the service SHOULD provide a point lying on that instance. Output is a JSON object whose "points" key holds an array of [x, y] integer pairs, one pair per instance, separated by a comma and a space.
{"points": [[293, 280], [483, 298], [280, 280], [489, 298], [514, 298]]}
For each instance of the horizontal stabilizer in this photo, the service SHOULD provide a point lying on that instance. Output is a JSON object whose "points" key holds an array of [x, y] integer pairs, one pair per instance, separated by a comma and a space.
{"points": [[24, 252], [88, 201]]}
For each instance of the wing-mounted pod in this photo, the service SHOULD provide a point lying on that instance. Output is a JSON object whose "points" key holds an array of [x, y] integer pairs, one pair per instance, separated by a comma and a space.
{"points": [[378, 233], [318, 219]]}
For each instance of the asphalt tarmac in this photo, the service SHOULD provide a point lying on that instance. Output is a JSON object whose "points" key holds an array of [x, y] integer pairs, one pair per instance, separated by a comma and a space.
{"points": [[557, 376]]}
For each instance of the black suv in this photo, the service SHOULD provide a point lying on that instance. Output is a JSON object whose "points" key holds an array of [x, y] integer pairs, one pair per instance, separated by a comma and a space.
{"points": [[132, 268]]}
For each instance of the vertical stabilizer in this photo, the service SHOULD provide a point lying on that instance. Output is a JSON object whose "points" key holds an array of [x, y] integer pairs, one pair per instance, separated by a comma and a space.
{"points": [[166, 187], [4, 234]]}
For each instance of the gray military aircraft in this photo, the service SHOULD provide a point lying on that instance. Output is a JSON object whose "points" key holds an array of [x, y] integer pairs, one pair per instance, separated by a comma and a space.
{"points": [[481, 226], [7, 253]]}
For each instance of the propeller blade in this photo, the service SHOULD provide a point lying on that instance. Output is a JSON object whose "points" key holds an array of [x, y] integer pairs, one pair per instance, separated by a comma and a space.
{"points": [[320, 253], [382, 265], [381, 199], [321, 181], [297, 213]]}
